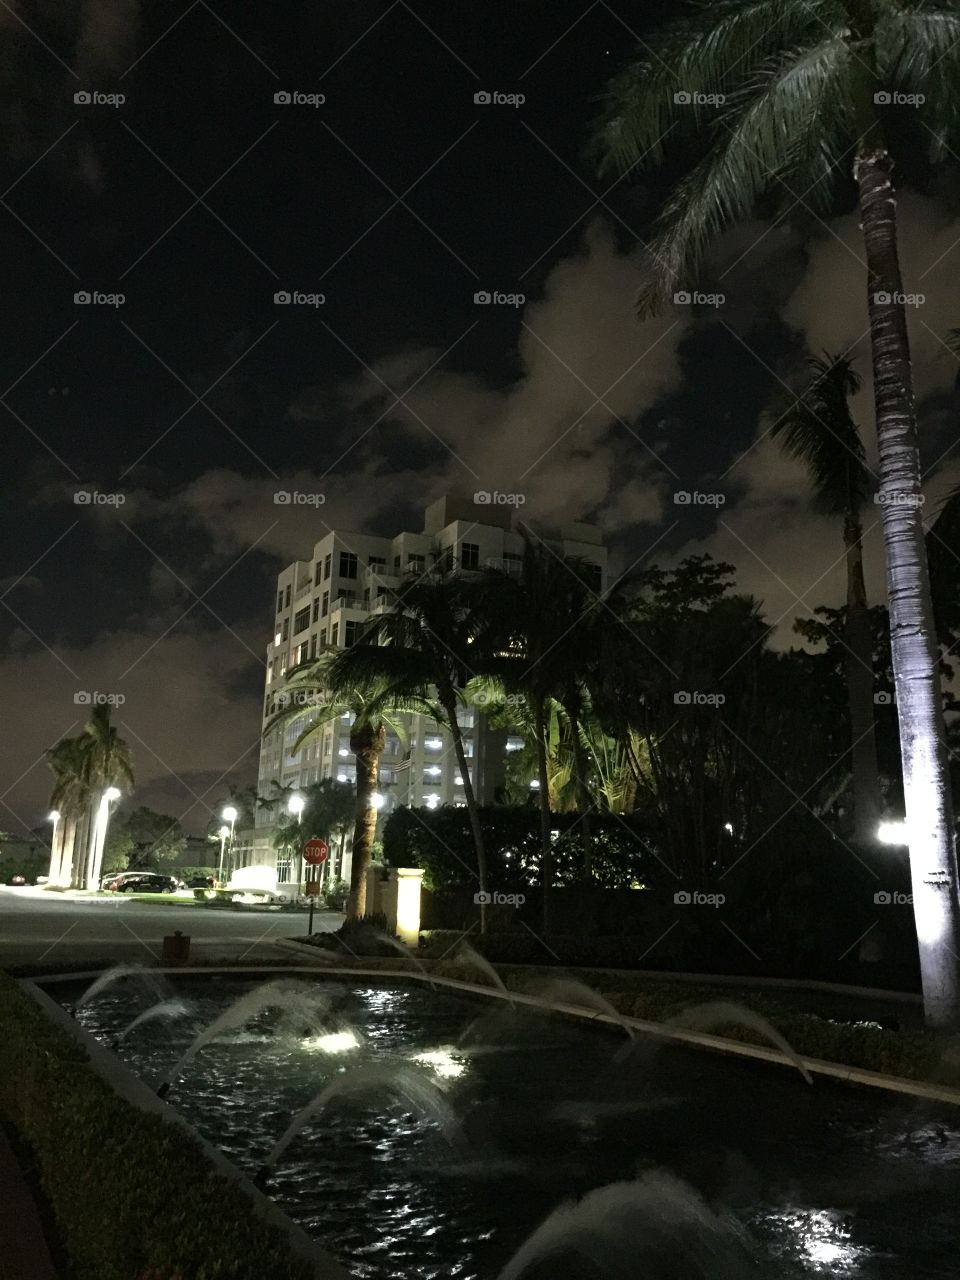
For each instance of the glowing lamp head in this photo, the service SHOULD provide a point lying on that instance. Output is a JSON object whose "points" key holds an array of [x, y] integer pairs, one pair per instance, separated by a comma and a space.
{"points": [[229, 814], [223, 832], [892, 833], [377, 800], [111, 793], [296, 805], [53, 815]]}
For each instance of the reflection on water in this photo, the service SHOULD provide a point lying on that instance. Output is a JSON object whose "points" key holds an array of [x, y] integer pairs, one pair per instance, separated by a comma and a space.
{"points": [[829, 1181]]}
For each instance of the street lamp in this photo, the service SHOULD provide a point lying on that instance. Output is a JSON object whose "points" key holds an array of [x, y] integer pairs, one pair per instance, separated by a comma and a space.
{"points": [[223, 833], [296, 805], [100, 836], [892, 833], [377, 800], [230, 815]]}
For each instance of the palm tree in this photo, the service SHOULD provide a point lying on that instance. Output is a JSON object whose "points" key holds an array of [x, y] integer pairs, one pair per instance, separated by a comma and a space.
{"points": [[537, 625], [422, 650], [788, 96], [106, 764], [329, 695], [71, 798], [85, 768], [819, 430]]}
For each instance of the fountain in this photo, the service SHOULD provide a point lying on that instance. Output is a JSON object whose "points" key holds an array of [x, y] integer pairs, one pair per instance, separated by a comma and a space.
{"points": [[657, 1226], [398, 1078], [476, 961], [163, 1009], [702, 1017], [569, 991], [154, 980], [404, 951], [297, 999]]}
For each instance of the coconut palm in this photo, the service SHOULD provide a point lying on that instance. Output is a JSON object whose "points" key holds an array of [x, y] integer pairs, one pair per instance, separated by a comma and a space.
{"points": [[106, 763], [70, 797], [318, 696], [422, 651], [537, 627], [791, 99], [819, 430]]}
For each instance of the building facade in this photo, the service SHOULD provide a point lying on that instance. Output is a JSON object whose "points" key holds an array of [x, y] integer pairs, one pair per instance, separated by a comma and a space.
{"points": [[324, 602]]}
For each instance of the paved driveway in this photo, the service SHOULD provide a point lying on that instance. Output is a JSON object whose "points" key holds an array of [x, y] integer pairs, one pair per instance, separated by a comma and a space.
{"points": [[36, 926]]}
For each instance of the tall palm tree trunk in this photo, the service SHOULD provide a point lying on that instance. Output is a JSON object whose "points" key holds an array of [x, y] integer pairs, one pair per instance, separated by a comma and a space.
{"points": [[928, 803], [858, 662], [473, 815], [584, 798], [546, 844], [367, 752]]}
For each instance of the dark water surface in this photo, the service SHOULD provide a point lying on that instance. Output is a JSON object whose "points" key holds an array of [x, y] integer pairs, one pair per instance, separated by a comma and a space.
{"points": [[825, 1180]]}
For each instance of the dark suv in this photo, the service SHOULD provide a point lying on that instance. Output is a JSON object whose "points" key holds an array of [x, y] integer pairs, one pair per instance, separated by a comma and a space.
{"points": [[141, 882]]}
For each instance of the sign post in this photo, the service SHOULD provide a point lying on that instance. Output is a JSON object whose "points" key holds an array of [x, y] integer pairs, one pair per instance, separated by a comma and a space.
{"points": [[315, 853]]}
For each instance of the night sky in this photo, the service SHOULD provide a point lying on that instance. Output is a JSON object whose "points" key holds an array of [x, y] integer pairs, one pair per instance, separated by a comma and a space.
{"points": [[199, 197]]}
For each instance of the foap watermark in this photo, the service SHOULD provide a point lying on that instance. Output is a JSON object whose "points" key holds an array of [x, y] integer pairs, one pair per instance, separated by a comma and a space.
{"points": [[94, 98], [698, 698], [694, 898], [486, 298], [299, 698], [498, 700], [892, 898], [894, 98], [884, 299], [884, 698], [295, 98], [695, 298], [494, 898], [295, 498], [94, 298], [898, 498], [688, 498], [294, 298], [495, 98], [694, 98], [494, 498], [94, 498], [94, 698]]}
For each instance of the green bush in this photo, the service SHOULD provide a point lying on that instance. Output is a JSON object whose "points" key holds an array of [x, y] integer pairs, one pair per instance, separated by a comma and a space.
{"points": [[133, 1195]]}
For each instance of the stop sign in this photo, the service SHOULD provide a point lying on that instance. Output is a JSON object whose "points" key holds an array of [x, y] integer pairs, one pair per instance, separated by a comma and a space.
{"points": [[315, 851]]}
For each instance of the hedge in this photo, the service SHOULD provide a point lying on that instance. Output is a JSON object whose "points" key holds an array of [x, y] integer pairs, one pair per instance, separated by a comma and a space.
{"points": [[134, 1196], [440, 841]]}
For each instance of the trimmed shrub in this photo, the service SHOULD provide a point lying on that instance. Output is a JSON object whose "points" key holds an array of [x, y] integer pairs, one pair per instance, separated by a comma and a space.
{"points": [[133, 1195]]}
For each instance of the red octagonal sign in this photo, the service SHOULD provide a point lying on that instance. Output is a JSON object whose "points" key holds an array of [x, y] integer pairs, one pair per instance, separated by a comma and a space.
{"points": [[315, 851]]}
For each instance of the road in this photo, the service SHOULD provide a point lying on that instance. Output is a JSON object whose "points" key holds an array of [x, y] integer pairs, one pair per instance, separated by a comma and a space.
{"points": [[38, 927]]}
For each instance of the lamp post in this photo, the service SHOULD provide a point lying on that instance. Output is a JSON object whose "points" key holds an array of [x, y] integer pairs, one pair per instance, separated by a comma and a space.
{"points": [[54, 876], [230, 815], [100, 836], [296, 805], [223, 833]]}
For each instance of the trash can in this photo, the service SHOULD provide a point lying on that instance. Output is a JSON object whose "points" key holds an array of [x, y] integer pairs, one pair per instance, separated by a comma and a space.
{"points": [[176, 948]]}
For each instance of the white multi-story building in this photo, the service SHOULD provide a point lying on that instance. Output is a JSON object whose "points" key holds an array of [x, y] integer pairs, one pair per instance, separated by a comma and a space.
{"points": [[322, 603]]}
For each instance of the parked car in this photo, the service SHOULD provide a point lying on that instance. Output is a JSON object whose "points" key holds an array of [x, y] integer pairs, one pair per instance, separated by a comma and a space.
{"points": [[141, 882], [198, 882]]}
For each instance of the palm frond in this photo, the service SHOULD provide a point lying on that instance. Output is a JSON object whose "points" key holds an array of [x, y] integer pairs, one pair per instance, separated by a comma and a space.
{"points": [[793, 106], [918, 51], [697, 57], [819, 431]]}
